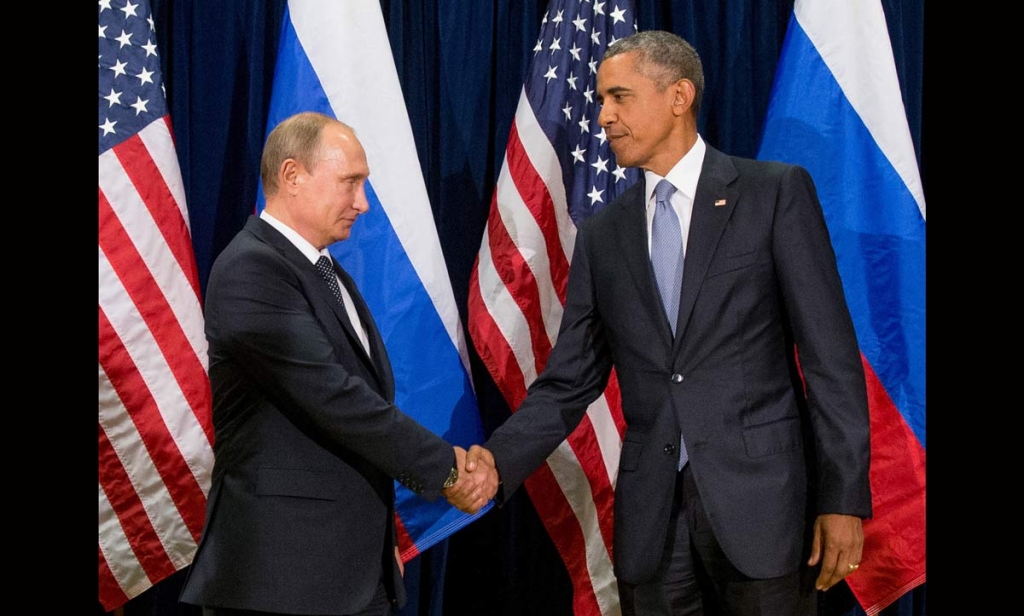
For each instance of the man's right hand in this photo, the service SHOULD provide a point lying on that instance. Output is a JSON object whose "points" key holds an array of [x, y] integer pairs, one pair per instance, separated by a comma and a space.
{"points": [[478, 479]]}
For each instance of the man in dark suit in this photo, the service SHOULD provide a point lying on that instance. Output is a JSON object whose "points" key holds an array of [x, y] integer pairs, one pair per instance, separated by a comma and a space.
{"points": [[742, 483], [300, 517]]}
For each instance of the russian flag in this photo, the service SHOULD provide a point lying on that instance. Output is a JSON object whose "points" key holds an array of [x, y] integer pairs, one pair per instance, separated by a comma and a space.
{"points": [[836, 110], [334, 58]]}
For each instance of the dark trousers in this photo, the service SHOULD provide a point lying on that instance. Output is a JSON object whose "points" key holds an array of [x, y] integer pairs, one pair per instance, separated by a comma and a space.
{"points": [[696, 579], [379, 606]]}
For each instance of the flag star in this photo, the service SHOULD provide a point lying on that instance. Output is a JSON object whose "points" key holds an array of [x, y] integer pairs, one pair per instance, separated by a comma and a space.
{"points": [[139, 105], [544, 21], [104, 4], [550, 74], [575, 51], [103, 31], [596, 37], [150, 48], [129, 9], [578, 154], [567, 110], [600, 165], [584, 125], [595, 196], [118, 68], [593, 66], [124, 39], [539, 46], [614, 40], [114, 98], [588, 94], [619, 173], [145, 76], [602, 137], [618, 15], [599, 8], [571, 80], [580, 23], [152, 26], [108, 127], [555, 44], [558, 18]]}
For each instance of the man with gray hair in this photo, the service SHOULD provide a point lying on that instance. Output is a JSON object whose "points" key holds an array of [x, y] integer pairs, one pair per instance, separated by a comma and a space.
{"points": [[743, 476], [300, 517]]}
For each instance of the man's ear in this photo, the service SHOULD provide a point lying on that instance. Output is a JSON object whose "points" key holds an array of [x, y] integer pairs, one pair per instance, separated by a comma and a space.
{"points": [[684, 93], [289, 176]]}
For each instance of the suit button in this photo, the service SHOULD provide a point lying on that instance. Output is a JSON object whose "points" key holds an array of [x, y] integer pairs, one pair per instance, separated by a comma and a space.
{"points": [[670, 449], [677, 378]]}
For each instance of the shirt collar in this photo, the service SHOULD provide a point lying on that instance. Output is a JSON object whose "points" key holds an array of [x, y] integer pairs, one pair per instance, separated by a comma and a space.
{"points": [[308, 250], [683, 175]]}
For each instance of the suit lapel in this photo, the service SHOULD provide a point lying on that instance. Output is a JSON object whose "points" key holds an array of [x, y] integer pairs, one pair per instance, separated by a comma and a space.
{"points": [[632, 238], [380, 361], [316, 286], [712, 206]]}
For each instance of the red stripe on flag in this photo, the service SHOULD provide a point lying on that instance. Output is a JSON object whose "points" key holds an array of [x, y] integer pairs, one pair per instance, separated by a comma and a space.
{"points": [[127, 505], [111, 595], [614, 398], [565, 532], [137, 399], [583, 442], [519, 280], [144, 174], [535, 195], [406, 547], [152, 305], [492, 347], [894, 537]]}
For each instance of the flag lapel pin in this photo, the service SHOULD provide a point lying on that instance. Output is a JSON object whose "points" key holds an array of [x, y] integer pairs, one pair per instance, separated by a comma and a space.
{"points": [[720, 203]]}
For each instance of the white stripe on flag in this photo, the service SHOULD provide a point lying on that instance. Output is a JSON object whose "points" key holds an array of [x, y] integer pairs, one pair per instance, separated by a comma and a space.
{"points": [[141, 470], [126, 569], [148, 240], [866, 74], [138, 341], [157, 139]]}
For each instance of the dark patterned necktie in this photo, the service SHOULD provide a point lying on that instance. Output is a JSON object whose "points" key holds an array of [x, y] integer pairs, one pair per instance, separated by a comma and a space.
{"points": [[326, 269]]}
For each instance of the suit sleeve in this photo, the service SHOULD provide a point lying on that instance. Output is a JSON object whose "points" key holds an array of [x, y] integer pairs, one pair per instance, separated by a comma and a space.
{"points": [[827, 349], [575, 375], [259, 315]]}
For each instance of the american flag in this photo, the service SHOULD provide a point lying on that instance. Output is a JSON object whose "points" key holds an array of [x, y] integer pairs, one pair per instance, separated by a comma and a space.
{"points": [[558, 171], [155, 427]]}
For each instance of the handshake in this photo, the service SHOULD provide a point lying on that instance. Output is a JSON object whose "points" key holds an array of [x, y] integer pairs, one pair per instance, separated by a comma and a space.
{"points": [[478, 479]]}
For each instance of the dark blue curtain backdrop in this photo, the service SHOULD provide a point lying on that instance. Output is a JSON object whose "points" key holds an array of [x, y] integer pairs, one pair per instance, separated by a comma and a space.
{"points": [[461, 64]]}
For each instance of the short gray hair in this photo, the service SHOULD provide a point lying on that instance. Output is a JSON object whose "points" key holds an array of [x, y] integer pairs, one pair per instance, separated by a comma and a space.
{"points": [[664, 58]]}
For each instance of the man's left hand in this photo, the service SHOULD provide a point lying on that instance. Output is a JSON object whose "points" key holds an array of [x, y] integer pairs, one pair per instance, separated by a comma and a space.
{"points": [[838, 544]]}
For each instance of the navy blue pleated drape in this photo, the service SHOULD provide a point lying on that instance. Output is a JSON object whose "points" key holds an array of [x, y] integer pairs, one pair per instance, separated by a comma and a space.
{"points": [[461, 64]]}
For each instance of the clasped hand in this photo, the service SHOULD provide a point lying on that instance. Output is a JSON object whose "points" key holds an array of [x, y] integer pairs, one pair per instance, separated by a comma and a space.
{"points": [[478, 479]]}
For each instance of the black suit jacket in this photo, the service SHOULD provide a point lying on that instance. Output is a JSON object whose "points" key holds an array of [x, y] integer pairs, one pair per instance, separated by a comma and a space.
{"points": [[760, 275], [300, 517]]}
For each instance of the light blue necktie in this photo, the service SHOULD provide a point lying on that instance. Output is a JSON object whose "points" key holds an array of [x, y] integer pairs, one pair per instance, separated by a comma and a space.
{"points": [[667, 260]]}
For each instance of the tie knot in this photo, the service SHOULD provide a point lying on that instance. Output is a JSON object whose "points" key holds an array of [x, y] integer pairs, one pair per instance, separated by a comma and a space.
{"points": [[324, 265], [663, 191]]}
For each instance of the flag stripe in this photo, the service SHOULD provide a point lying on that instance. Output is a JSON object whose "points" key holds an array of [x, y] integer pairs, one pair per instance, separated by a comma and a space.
{"points": [[131, 454], [126, 505], [157, 317], [518, 277], [126, 373], [119, 195], [553, 507], [109, 588], [536, 198], [139, 168]]}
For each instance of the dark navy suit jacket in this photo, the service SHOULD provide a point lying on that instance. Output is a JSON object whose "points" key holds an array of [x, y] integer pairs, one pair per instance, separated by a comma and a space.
{"points": [[759, 276], [300, 516]]}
